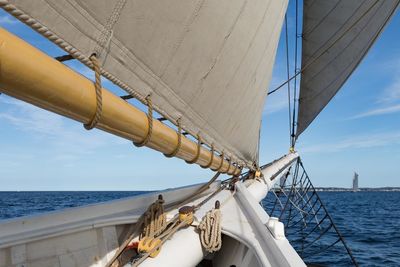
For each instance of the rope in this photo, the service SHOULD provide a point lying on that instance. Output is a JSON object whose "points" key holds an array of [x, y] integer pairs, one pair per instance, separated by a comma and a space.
{"points": [[150, 124], [104, 39], [229, 166], [198, 151], [99, 97], [178, 146], [295, 79], [288, 77], [210, 230], [312, 61], [76, 54], [165, 236], [135, 228], [222, 162], [154, 219], [211, 159]]}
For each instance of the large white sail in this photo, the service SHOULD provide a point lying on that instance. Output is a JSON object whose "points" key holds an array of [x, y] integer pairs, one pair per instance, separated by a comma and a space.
{"points": [[337, 34], [206, 62]]}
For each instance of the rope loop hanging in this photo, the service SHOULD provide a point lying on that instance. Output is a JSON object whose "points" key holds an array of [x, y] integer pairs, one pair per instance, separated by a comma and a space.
{"points": [[178, 146], [99, 96], [211, 159], [198, 151], [149, 121]]}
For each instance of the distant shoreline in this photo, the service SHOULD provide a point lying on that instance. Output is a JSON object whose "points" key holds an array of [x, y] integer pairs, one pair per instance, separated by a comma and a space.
{"points": [[361, 189]]}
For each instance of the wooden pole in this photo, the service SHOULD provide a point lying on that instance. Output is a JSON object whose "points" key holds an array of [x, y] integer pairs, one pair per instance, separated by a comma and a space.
{"points": [[30, 75]]}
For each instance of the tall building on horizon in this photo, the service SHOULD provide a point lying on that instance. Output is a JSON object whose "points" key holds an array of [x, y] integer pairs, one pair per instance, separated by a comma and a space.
{"points": [[355, 182]]}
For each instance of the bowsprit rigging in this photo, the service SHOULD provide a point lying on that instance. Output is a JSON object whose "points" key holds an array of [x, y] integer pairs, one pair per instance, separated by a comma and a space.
{"points": [[308, 225]]}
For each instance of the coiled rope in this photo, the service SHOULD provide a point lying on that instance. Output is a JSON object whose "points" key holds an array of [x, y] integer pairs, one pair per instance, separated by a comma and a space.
{"points": [[154, 221], [210, 230]]}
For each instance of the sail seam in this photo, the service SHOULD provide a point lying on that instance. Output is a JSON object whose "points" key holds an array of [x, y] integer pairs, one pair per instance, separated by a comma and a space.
{"points": [[43, 30]]}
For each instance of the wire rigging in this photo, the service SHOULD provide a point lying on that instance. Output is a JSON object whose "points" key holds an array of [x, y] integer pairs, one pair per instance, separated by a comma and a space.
{"points": [[288, 76], [313, 60], [293, 137]]}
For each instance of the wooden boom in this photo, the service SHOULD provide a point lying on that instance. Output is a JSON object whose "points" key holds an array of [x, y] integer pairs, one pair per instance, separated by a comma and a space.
{"points": [[32, 76]]}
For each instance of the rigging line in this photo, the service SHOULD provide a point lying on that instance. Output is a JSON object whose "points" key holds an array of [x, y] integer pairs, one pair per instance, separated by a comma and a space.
{"points": [[333, 224], [306, 66], [288, 76], [295, 70]]}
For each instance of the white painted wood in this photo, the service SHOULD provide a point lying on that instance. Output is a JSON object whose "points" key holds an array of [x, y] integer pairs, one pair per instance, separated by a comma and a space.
{"points": [[18, 254], [88, 236]]}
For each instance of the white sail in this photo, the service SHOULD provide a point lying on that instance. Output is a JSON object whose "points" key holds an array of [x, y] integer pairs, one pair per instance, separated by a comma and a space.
{"points": [[337, 34], [206, 62]]}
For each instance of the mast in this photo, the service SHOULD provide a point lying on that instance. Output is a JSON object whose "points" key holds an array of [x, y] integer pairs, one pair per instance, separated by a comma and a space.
{"points": [[32, 76]]}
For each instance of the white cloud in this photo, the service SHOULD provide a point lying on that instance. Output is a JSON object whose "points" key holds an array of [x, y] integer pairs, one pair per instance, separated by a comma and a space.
{"points": [[275, 103], [389, 101], [68, 139], [355, 142], [392, 92], [378, 111]]}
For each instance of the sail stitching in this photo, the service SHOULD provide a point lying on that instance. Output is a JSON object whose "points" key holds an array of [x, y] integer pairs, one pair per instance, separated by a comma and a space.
{"points": [[104, 39], [43, 30]]}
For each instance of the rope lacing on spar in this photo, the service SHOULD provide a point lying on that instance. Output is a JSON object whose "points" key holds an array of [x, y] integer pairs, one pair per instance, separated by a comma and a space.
{"points": [[178, 146], [99, 97], [211, 158], [150, 123], [197, 152], [229, 166], [221, 164]]}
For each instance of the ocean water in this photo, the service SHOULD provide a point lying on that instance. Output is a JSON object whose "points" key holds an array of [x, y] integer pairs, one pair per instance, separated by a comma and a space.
{"points": [[369, 221]]}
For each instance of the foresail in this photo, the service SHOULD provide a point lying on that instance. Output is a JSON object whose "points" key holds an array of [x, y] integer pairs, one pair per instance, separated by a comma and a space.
{"points": [[205, 62], [337, 34]]}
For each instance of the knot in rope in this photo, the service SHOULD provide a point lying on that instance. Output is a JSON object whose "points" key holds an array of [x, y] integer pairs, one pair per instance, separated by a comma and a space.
{"points": [[210, 230], [154, 219], [99, 96]]}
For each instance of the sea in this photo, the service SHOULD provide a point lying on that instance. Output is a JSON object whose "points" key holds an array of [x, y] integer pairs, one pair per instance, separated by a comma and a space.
{"points": [[368, 221]]}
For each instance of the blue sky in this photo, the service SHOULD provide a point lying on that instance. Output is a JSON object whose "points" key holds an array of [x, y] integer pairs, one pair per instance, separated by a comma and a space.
{"points": [[358, 131]]}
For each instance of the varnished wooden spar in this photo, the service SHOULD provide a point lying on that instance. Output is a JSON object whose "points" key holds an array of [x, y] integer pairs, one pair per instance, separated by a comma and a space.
{"points": [[30, 75]]}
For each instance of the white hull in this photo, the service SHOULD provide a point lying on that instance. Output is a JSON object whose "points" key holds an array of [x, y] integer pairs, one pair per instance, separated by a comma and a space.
{"points": [[89, 236]]}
